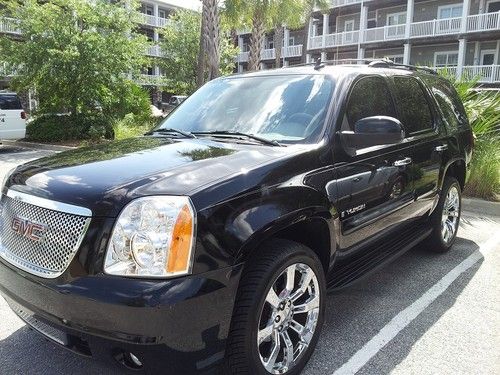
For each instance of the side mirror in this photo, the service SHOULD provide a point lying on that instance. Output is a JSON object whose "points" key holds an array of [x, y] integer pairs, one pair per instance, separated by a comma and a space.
{"points": [[374, 131]]}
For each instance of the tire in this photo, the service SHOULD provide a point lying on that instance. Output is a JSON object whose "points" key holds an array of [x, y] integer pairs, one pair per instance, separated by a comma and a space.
{"points": [[439, 242], [265, 270]]}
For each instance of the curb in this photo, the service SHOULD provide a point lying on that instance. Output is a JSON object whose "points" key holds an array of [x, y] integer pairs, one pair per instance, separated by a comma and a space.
{"points": [[37, 146], [479, 206]]}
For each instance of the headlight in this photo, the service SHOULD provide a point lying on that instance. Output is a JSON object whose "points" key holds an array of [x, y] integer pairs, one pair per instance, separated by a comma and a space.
{"points": [[153, 237]]}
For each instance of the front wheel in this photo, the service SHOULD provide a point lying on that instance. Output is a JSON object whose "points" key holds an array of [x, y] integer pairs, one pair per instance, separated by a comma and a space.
{"points": [[446, 217], [279, 311]]}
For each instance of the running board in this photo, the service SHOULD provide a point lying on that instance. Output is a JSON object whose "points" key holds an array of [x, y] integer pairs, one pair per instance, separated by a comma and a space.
{"points": [[376, 256]]}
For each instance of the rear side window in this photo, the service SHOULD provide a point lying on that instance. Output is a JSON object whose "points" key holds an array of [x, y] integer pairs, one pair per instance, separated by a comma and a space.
{"points": [[415, 113], [448, 101], [10, 102], [369, 97]]}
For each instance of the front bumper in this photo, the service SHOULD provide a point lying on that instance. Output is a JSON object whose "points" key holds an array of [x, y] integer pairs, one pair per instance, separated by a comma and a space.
{"points": [[174, 326]]}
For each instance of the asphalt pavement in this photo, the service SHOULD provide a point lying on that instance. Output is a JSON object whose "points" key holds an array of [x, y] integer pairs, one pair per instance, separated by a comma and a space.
{"points": [[422, 314]]}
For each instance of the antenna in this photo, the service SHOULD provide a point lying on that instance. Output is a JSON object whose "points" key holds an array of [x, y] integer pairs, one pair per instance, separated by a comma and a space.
{"points": [[319, 65]]}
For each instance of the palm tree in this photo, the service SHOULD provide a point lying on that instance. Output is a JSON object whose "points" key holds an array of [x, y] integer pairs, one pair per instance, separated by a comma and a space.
{"points": [[260, 21], [209, 55]]}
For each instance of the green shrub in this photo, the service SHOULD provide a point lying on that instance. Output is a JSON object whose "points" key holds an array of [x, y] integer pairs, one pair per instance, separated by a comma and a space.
{"points": [[484, 180], [132, 126], [60, 128]]}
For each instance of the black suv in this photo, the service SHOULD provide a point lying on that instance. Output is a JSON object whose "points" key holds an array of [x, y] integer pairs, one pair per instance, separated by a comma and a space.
{"points": [[209, 244]]}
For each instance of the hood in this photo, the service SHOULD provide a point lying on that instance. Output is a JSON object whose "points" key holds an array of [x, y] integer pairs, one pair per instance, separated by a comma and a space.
{"points": [[104, 178]]}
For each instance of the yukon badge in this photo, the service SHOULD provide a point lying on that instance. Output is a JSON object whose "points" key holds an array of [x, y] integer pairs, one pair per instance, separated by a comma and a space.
{"points": [[28, 229]]}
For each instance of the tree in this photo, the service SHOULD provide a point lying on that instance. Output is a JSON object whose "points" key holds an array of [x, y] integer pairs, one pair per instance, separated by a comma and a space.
{"points": [[209, 53], [259, 9], [180, 46], [77, 55]]}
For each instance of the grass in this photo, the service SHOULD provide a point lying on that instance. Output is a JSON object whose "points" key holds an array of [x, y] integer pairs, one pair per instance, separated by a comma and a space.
{"points": [[484, 180], [131, 126]]}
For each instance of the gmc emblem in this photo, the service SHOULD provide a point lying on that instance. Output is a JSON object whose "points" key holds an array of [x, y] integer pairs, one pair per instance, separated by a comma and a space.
{"points": [[28, 229]]}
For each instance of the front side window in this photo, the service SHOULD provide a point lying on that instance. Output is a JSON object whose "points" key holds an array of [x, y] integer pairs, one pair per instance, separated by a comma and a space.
{"points": [[370, 96], [415, 113], [284, 108]]}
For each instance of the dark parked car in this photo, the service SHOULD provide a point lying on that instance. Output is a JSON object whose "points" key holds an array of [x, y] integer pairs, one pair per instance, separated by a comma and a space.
{"points": [[209, 244]]}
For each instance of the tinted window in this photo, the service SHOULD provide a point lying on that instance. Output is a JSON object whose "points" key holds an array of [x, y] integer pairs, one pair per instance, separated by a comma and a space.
{"points": [[283, 108], [10, 102], [449, 101], [415, 113], [369, 97]]}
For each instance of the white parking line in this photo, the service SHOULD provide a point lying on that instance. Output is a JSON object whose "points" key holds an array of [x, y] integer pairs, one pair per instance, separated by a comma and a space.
{"points": [[405, 317]]}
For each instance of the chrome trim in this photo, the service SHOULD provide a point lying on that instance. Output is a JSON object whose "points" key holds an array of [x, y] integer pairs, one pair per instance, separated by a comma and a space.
{"points": [[49, 204]]}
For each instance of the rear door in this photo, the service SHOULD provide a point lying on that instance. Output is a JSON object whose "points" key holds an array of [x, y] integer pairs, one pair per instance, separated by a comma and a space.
{"points": [[426, 135], [12, 124], [374, 185]]}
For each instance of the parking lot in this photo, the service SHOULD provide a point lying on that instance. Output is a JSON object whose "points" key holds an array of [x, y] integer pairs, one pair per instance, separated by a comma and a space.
{"points": [[422, 314]]}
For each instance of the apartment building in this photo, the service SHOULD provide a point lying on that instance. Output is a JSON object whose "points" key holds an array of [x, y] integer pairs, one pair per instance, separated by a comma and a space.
{"points": [[461, 36], [154, 15]]}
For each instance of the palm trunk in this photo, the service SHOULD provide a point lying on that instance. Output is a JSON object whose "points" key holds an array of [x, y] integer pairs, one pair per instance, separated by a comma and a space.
{"points": [[200, 71], [256, 40], [213, 40], [279, 34]]}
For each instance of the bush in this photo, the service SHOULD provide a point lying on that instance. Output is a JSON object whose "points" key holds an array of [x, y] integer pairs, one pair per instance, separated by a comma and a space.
{"points": [[133, 126], [60, 128], [484, 180]]}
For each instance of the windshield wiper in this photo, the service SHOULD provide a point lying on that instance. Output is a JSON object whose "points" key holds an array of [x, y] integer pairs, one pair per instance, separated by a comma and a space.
{"points": [[171, 130], [228, 133]]}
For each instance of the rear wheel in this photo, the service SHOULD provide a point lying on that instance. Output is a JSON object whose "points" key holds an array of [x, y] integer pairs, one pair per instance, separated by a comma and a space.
{"points": [[446, 217], [279, 311]]}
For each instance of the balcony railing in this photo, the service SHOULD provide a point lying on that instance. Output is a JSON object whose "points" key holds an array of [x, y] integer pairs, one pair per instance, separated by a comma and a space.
{"points": [[154, 21], [152, 80], [485, 73], [339, 3], [449, 26], [9, 26], [270, 54], [154, 51]]}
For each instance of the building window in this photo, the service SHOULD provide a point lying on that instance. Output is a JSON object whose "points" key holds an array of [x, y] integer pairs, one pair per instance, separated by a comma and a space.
{"points": [[493, 6], [372, 23], [488, 57], [162, 13], [443, 59], [396, 19], [450, 11]]}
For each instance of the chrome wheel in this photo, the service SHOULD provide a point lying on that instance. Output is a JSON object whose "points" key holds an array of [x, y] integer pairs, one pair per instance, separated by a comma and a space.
{"points": [[288, 318], [451, 213]]}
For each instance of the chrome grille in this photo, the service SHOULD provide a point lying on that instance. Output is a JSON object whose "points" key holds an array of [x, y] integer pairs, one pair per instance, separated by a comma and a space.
{"points": [[62, 237]]}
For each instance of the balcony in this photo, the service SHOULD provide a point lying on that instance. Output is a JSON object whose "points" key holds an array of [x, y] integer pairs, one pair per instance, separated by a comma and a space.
{"points": [[270, 54], [149, 20], [154, 51], [340, 3], [9, 26], [485, 73], [432, 28]]}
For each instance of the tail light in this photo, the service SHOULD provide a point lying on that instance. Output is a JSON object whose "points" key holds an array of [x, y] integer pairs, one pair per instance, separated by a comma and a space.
{"points": [[24, 116]]}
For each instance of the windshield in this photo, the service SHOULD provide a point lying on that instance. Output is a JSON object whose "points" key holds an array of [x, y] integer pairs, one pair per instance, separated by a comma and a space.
{"points": [[283, 108]]}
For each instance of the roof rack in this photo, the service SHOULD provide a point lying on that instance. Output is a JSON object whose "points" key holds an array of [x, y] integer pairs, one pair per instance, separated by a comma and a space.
{"points": [[373, 63]]}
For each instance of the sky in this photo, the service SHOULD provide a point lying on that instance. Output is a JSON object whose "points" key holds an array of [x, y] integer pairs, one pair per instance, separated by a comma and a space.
{"points": [[191, 4]]}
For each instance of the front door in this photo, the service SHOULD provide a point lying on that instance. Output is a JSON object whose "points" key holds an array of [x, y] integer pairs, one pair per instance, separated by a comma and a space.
{"points": [[374, 185], [348, 28]]}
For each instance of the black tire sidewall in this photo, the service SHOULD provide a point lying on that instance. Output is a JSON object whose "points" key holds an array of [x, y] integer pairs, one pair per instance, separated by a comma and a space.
{"points": [[309, 258]]}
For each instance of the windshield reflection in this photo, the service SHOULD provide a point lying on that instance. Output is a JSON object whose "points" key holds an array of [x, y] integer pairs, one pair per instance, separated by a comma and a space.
{"points": [[284, 108]]}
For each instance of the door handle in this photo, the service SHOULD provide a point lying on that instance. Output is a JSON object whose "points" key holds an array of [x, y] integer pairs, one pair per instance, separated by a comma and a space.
{"points": [[441, 148], [402, 162]]}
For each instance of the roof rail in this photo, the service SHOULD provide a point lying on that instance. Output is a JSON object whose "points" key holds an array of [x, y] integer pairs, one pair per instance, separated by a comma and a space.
{"points": [[373, 63]]}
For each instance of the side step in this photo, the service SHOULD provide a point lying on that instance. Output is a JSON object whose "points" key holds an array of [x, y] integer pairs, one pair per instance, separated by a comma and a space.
{"points": [[373, 258]]}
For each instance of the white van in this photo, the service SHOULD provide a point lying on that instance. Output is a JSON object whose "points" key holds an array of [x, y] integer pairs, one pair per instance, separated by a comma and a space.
{"points": [[12, 117]]}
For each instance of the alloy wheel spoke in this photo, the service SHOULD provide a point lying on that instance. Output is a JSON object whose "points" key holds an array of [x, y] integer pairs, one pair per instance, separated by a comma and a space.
{"points": [[288, 358], [305, 280], [271, 361], [290, 278], [272, 298], [297, 327], [265, 333], [311, 304]]}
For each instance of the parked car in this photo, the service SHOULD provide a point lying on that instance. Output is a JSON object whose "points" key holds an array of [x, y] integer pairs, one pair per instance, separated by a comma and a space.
{"points": [[209, 245], [12, 117]]}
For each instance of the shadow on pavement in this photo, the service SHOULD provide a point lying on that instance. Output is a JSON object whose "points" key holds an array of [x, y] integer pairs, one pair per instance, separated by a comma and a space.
{"points": [[356, 314]]}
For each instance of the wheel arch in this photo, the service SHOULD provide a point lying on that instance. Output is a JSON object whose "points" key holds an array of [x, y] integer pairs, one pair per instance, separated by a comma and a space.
{"points": [[456, 168]]}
